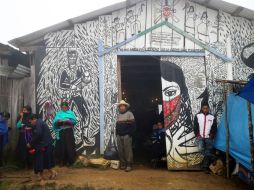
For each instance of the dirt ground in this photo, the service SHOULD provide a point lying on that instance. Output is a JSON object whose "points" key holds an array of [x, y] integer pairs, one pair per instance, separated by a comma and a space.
{"points": [[141, 178]]}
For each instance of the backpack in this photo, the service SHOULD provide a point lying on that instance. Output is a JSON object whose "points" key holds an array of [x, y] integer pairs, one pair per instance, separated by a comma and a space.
{"points": [[111, 152]]}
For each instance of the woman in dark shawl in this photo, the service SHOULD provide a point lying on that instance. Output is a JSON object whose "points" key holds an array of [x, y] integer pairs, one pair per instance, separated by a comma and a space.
{"points": [[25, 136], [41, 147], [63, 125]]}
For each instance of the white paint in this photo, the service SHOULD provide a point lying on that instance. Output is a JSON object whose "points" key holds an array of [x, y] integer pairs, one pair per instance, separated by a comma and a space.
{"points": [[229, 64]]}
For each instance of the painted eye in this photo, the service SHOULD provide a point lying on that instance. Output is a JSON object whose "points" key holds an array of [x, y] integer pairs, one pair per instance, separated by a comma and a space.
{"points": [[170, 92]]}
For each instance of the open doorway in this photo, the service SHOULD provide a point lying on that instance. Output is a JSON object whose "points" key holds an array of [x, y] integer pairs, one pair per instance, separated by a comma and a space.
{"points": [[141, 87]]}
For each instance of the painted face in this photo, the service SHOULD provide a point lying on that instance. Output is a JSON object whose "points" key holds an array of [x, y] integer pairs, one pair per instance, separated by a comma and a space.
{"points": [[204, 17], [171, 101], [130, 15], [170, 90], [65, 108], [72, 58], [191, 9], [122, 108]]}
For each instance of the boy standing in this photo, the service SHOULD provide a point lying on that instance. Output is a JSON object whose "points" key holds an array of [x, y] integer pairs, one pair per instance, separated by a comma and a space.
{"points": [[205, 127]]}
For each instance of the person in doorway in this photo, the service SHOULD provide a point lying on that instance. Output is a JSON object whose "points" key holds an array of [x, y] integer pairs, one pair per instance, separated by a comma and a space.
{"points": [[124, 128], [158, 148], [205, 127], [63, 125], [4, 117], [25, 136], [41, 147]]}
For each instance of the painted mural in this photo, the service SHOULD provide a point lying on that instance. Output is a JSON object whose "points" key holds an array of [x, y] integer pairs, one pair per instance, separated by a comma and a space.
{"points": [[178, 83], [70, 73], [70, 68]]}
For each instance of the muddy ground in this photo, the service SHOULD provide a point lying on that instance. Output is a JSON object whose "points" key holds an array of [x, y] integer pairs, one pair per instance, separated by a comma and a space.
{"points": [[141, 178]]}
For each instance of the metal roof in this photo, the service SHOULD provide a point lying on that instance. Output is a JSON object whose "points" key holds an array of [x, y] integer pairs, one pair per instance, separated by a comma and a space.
{"points": [[17, 72], [6, 50], [13, 63], [36, 38]]}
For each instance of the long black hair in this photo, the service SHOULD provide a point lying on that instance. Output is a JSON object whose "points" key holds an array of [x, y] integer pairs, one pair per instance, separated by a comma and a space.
{"points": [[173, 73]]}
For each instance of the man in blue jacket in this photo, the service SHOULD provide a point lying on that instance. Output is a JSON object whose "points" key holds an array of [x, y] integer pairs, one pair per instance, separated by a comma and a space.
{"points": [[4, 117]]}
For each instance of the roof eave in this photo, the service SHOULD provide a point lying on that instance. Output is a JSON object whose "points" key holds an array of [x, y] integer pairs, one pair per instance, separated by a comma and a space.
{"points": [[36, 38], [29, 38]]}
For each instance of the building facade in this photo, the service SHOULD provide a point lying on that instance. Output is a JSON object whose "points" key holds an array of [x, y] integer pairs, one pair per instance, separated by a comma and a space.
{"points": [[196, 44]]}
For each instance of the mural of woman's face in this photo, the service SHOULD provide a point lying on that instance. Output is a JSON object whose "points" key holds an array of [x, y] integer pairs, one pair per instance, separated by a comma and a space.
{"points": [[170, 90], [171, 94]]}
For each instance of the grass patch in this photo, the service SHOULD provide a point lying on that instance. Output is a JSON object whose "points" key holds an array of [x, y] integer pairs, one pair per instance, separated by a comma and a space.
{"points": [[5, 185]]}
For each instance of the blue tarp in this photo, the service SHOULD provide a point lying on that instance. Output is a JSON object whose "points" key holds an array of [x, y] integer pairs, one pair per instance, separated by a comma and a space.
{"points": [[248, 90], [239, 143]]}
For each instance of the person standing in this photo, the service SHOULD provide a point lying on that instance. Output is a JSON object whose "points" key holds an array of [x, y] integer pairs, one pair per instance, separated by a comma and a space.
{"points": [[41, 147], [205, 127], [124, 128], [4, 117], [25, 136], [63, 125]]}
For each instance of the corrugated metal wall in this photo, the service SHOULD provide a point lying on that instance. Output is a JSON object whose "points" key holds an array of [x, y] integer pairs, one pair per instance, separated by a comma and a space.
{"points": [[15, 93]]}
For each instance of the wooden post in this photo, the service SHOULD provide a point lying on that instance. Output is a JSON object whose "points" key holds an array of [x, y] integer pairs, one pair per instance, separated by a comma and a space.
{"points": [[119, 78], [250, 125], [227, 129], [101, 95]]}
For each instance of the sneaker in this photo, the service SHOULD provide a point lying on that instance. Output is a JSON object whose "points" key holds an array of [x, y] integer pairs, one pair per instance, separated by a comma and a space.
{"points": [[128, 169]]}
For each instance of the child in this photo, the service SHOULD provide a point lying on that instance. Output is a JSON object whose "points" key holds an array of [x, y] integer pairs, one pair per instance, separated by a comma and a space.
{"points": [[205, 128]]}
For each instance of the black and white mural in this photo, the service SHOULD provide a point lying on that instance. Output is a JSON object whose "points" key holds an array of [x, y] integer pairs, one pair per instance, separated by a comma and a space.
{"points": [[111, 94], [69, 72], [69, 69], [183, 81]]}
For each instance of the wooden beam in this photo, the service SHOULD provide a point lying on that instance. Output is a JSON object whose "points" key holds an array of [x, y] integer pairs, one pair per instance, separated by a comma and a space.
{"points": [[132, 38]]}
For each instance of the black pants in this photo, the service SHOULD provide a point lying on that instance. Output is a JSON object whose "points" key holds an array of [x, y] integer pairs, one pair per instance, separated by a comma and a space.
{"points": [[22, 155], [43, 159], [1, 150], [65, 153]]}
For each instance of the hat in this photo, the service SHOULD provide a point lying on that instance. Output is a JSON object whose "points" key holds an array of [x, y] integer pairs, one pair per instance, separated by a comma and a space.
{"points": [[122, 102]]}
